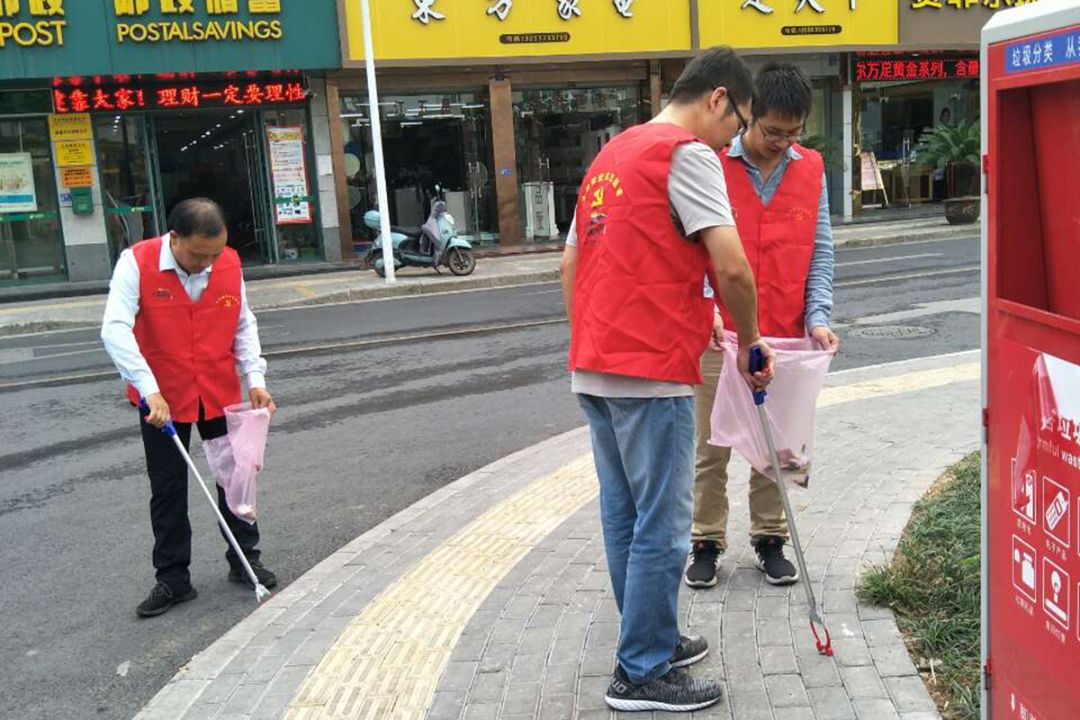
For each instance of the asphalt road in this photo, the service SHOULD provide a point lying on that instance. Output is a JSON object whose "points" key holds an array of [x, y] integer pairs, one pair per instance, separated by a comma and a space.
{"points": [[381, 404]]}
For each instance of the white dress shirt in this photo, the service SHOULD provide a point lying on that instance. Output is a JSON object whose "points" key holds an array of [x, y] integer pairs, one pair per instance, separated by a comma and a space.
{"points": [[118, 325]]}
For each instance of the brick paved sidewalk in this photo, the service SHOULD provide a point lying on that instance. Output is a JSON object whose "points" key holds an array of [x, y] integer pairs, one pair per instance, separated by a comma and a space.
{"points": [[490, 598]]}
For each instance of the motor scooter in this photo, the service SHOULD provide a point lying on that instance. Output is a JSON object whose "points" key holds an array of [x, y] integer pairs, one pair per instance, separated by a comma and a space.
{"points": [[433, 244]]}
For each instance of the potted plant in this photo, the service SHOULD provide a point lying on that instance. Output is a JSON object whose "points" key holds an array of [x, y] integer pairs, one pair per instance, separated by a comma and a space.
{"points": [[956, 148], [829, 149]]}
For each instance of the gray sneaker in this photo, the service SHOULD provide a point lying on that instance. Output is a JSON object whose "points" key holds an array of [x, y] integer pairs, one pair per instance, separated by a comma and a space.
{"points": [[689, 651], [674, 692]]}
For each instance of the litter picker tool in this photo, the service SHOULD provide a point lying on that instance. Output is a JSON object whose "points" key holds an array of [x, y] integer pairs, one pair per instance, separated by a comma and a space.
{"points": [[261, 593], [822, 637]]}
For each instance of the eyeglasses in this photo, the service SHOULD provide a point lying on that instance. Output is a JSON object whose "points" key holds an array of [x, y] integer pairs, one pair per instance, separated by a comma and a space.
{"points": [[771, 135], [743, 125]]}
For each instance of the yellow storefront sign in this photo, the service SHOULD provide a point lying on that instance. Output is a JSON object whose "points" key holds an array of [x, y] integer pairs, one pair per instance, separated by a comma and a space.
{"points": [[79, 152], [223, 21], [32, 29], [798, 23], [445, 29], [75, 126]]}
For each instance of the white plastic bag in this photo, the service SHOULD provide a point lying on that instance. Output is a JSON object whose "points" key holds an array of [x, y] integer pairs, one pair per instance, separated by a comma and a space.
{"points": [[801, 367], [237, 458]]}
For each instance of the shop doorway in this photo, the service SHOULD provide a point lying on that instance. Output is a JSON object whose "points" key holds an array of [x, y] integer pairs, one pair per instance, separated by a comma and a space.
{"points": [[217, 155]]}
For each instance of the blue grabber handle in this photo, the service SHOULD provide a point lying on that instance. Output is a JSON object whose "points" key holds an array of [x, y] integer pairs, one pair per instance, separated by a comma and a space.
{"points": [[169, 428], [757, 364]]}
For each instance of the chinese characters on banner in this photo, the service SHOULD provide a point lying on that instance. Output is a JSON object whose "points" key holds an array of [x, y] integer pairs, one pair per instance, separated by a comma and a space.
{"points": [[871, 69], [764, 8], [288, 169], [192, 95], [965, 4], [182, 7], [426, 12], [501, 9], [1055, 50]]}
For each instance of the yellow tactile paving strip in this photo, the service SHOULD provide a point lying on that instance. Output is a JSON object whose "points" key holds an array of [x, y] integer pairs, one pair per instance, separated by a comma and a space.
{"points": [[389, 660], [387, 663], [899, 384]]}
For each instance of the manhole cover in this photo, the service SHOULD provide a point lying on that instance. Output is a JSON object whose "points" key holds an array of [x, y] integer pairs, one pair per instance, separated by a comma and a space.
{"points": [[892, 332]]}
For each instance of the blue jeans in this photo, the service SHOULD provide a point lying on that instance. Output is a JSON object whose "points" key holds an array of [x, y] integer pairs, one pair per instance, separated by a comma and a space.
{"points": [[644, 453]]}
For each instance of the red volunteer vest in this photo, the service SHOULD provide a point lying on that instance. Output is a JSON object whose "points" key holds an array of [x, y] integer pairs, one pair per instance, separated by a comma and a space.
{"points": [[189, 345], [638, 308], [778, 239]]}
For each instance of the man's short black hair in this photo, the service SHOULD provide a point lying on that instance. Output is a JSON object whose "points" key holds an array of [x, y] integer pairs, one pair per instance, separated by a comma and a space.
{"points": [[782, 89], [714, 68], [197, 216]]}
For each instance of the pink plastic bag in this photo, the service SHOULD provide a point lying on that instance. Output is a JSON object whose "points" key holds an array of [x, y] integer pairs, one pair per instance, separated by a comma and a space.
{"points": [[237, 458], [801, 367]]}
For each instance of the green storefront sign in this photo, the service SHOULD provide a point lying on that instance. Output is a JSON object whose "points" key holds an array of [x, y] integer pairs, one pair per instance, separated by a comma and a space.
{"points": [[50, 38]]}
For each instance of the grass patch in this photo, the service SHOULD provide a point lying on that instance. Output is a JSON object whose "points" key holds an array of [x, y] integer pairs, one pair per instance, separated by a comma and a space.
{"points": [[933, 586]]}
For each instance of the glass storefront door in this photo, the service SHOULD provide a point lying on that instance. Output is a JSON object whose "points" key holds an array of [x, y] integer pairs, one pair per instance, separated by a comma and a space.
{"points": [[31, 236], [291, 184], [126, 185], [558, 134], [217, 154], [428, 140]]}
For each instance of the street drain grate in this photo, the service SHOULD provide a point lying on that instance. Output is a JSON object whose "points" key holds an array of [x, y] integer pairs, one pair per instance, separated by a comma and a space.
{"points": [[892, 332]]}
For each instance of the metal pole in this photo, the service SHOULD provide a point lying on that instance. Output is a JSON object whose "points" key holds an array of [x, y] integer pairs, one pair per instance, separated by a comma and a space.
{"points": [[377, 145]]}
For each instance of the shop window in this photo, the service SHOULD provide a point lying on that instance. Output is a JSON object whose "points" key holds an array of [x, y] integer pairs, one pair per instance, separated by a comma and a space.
{"points": [[893, 118], [31, 237], [125, 181], [429, 140], [558, 134]]}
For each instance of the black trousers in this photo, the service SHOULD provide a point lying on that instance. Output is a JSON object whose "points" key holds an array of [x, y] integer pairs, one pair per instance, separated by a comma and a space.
{"points": [[169, 503]]}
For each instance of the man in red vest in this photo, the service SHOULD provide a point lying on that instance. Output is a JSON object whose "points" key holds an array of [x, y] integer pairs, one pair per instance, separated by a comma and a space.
{"points": [[777, 189], [652, 220], [177, 325]]}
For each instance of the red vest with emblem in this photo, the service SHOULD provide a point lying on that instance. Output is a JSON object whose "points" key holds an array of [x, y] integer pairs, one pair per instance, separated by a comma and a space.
{"points": [[189, 345], [638, 308], [778, 239]]}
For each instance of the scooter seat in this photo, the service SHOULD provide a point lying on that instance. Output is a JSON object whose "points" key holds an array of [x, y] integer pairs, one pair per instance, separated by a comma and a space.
{"points": [[413, 231]]}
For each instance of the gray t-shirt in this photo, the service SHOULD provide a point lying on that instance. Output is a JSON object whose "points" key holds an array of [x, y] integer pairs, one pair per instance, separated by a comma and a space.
{"points": [[699, 200]]}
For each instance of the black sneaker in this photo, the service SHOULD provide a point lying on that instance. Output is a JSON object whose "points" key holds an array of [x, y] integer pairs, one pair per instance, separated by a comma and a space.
{"points": [[689, 651], [161, 598], [674, 692], [267, 579], [770, 560], [706, 560]]}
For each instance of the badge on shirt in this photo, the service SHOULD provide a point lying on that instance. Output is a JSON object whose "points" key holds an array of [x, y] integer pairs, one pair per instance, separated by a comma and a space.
{"points": [[801, 214], [228, 300], [163, 294]]}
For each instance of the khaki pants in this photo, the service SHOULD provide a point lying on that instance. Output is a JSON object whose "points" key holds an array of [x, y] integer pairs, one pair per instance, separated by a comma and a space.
{"points": [[711, 476]]}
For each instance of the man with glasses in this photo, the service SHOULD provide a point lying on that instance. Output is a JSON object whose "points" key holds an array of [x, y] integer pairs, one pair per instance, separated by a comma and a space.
{"points": [[652, 220], [778, 192]]}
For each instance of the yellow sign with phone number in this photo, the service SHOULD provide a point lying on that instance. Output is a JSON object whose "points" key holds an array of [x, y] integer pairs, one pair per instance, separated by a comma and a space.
{"points": [[446, 29], [798, 23]]}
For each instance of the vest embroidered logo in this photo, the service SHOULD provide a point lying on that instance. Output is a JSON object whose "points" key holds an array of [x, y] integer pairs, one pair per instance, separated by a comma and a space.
{"points": [[163, 294], [801, 214], [228, 300], [598, 192]]}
